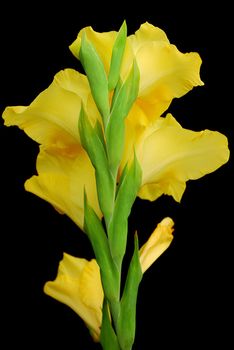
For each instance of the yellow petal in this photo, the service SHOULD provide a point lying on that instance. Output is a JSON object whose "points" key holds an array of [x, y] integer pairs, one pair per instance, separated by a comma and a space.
{"points": [[171, 155], [157, 243], [146, 33], [61, 181], [165, 73], [78, 285], [103, 43], [91, 274], [52, 118]]}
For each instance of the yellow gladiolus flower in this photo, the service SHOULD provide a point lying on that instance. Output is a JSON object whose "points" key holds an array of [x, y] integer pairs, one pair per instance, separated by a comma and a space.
{"points": [[63, 166], [78, 283], [51, 119], [170, 155], [165, 72]]}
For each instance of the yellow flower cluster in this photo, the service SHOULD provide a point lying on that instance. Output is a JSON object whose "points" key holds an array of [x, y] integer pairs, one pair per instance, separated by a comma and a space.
{"points": [[169, 155]]}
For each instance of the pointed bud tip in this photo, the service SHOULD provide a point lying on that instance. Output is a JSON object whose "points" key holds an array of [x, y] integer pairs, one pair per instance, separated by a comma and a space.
{"points": [[167, 222]]}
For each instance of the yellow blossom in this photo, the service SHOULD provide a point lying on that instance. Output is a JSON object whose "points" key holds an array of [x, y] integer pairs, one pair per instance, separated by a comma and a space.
{"points": [[78, 285], [51, 119], [63, 166], [78, 282], [165, 72], [171, 155]]}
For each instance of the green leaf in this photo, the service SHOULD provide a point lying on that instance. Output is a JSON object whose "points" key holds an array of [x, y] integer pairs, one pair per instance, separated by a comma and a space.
{"points": [[128, 188], [126, 326], [97, 236], [99, 131], [93, 142], [96, 75], [127, 93], [116, 91], [117, 56], [108, 337], [121, 106]]}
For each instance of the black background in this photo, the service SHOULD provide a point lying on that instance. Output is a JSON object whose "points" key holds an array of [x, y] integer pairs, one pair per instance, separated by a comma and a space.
{"points": [[185, 298]]}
